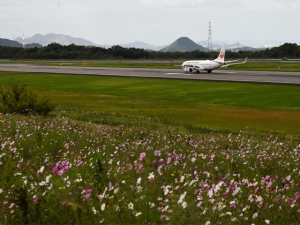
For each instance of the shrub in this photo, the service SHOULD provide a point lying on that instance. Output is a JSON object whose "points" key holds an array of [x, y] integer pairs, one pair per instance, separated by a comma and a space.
{"points": [[18, 99]]}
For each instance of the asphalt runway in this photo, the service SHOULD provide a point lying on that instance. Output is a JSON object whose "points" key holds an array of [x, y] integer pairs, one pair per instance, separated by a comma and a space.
{"points": [[290, 78]]}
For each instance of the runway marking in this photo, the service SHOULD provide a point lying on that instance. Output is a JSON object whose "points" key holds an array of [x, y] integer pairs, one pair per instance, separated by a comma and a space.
{"points": [[188, 74]]}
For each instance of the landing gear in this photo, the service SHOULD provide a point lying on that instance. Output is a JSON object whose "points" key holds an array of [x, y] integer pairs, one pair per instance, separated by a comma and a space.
{"points": [[209, 71], [197, 71]]}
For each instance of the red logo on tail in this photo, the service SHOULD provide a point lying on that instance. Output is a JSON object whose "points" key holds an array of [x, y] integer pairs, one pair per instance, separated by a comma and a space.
{"points": [[221, 55]]}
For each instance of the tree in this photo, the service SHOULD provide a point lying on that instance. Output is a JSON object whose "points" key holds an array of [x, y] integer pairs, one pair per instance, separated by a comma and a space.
{"points": [[18, 99]]}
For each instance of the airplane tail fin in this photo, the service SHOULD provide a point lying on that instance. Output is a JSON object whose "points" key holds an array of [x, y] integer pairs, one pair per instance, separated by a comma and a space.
{"points": [[221, 58]]}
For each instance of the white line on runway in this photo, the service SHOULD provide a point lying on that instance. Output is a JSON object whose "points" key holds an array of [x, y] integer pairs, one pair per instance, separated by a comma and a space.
{"points": [[188, 74]]}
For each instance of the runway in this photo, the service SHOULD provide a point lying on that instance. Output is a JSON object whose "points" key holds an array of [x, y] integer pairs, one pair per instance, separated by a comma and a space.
{"points": [[290, 78]]}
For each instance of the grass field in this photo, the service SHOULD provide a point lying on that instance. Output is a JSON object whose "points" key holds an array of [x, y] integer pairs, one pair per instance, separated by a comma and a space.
{"points": [[217, 106]]}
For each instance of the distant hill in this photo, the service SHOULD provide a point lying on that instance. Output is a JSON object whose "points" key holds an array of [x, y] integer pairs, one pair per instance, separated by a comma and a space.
{"points": [[10, 43], [216, 44], [183, 44], [139, 44], [55, 38], [143, 45], [232, 47]]}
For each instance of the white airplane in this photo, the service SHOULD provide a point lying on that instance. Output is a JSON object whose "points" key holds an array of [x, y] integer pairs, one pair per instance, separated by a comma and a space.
{"points": [[208, 65]]}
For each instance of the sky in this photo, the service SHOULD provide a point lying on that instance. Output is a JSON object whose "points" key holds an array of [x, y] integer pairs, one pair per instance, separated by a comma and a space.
{"points": [[156, 22]]}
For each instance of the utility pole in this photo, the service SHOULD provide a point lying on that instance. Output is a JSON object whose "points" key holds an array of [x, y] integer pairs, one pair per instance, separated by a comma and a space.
{"points": [[23, 42], [209, 41]]}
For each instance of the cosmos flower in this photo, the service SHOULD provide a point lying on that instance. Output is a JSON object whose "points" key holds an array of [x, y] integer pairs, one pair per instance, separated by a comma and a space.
{"points": [[103, 207], [142, 155], [137, 214], [184, 204], [79, 164], [35, 199], [138, 181], [130, 206], [151, 176]]}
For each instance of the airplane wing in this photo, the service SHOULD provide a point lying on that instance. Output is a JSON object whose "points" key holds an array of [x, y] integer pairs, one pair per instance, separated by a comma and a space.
{"points": [[232, 61], [235, 63]]}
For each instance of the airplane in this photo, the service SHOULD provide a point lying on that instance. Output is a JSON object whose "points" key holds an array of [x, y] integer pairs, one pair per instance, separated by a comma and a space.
{"points": [[208, 65]]}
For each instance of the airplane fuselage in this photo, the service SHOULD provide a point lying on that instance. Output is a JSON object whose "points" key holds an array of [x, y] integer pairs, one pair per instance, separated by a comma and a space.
{"points": [[197, 65], [208, 65]]}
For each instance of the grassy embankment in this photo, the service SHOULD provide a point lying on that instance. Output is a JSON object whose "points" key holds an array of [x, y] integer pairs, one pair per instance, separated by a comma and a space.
{"points": [[217, 106], [59, 171]]}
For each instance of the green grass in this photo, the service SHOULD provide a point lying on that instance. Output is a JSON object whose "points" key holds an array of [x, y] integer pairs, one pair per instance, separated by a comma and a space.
{"points": [[212, 105]]}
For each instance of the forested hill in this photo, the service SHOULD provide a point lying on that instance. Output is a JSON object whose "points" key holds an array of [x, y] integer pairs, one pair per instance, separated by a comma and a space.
{"points": [[57, 51], [10, 43]]}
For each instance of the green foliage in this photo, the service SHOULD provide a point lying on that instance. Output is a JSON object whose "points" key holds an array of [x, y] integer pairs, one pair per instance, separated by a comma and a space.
{"points": [[57, 51], [17, 98]]}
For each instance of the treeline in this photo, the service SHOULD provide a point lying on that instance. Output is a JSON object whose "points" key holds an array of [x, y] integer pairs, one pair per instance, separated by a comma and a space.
{"points": [[57, 51]]}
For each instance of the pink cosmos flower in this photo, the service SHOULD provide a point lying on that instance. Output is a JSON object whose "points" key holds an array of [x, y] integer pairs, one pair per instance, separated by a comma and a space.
{"points": [[142, 155], [35, 200], [169, 160], [157, 153], [159, 169], [163, 217], [80, 163], [212, 156]]}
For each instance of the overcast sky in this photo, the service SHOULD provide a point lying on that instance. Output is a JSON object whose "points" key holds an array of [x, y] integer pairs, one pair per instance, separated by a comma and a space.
{"points": [[156, 22]]}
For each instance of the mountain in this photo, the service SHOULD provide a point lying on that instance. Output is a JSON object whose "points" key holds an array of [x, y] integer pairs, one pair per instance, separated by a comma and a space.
{"points": [[57, 38], [183, 44], [216, 45], [139, 44], [10, 43], [143, 45]]}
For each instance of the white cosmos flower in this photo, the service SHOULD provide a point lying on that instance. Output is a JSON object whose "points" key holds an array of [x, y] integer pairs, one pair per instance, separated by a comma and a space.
{"points": [[181, 198], [137, 214], [184, 205], [103, 207], [130, 206], [48, 178], [116, 190], [41, 169], [138, 180], [151, 176]]}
